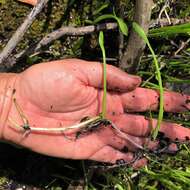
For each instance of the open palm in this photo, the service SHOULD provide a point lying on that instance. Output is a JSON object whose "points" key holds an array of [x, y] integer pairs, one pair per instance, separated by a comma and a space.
{"points": [[61, 93]]}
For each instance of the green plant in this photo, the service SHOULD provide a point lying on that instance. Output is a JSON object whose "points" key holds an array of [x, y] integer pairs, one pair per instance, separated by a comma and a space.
{"points": [[142, 34], [101, 42], [123, 28], [122, 25], [169, 31]]}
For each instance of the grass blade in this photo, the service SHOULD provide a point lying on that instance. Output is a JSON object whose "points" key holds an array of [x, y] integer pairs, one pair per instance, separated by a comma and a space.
{"points": [[142, 34], [169, 31], [104, 6]]}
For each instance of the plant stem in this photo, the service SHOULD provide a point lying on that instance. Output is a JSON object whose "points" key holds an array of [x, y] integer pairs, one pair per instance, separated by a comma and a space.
{"points": [[142, 34], [101, 42], [161, 105], [58, 129]]}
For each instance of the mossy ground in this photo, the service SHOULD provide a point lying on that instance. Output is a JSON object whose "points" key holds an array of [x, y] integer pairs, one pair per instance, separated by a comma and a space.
{"points": [[20, 167]]}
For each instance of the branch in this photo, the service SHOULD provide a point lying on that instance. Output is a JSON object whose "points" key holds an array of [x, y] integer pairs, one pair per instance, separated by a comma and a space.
{"points": [[79, 31], [136, 45], [121, 13], [66, 30], [74, 31], [18, 35], [164, 22]]}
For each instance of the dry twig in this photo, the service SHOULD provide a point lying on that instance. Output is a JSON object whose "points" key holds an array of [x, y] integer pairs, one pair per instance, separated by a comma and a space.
{"points": [[66, 30], [18, 35], [74, 31], [181, 47], [163, 10], [164, 22], [129, 60]]}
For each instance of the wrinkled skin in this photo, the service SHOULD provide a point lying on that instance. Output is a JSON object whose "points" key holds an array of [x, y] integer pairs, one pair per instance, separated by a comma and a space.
{"points": [[61, 93]]}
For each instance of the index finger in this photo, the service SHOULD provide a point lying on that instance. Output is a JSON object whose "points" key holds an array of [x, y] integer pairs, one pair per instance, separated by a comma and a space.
{"points": [[91, 74]]}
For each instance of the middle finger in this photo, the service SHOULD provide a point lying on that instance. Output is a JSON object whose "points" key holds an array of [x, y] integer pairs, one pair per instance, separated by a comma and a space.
{"points": [[142, 99]]}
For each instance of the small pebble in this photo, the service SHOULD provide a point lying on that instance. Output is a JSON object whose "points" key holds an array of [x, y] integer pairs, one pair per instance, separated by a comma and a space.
{"points": [[120, 161]]}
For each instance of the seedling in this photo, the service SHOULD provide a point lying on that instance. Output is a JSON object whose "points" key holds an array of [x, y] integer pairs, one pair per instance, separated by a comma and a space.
{"points": [[26, 124], [88, 124], [101, 42], [142, 34]]}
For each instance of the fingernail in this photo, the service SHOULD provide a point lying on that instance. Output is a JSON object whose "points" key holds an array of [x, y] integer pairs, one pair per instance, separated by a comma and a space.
{"points": [[152, 145], [173, 147], [140, 163], [136, 78]]}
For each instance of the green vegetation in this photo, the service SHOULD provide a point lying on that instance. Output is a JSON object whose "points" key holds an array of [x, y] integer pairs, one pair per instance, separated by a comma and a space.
{"points": [[122, 25], [141, 33], [123, 28], [170, 31], [167, 65], [101, 42]]}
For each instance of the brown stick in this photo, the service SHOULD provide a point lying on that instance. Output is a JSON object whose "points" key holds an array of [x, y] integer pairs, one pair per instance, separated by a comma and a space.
{"points": [[66, 30], [121, 10], [136, 45], [79, 31], [18, 35], [164, 22], [74, 31]]}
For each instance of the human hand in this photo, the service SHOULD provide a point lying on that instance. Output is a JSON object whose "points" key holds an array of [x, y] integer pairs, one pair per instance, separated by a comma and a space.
{"points": [[61, 93]]}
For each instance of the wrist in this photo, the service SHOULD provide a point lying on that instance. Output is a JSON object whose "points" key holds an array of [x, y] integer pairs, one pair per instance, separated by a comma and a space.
{"points": [[7, 89]]}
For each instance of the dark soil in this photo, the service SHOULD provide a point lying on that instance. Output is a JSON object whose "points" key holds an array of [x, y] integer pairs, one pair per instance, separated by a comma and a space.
{"points": [[30, 171]]}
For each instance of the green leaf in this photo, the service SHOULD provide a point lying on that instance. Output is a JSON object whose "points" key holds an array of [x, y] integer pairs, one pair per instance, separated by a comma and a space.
{"points": [[142, 34], [122, 26], [105, 5], [169, 31], [118, 187], [104, 17]]}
